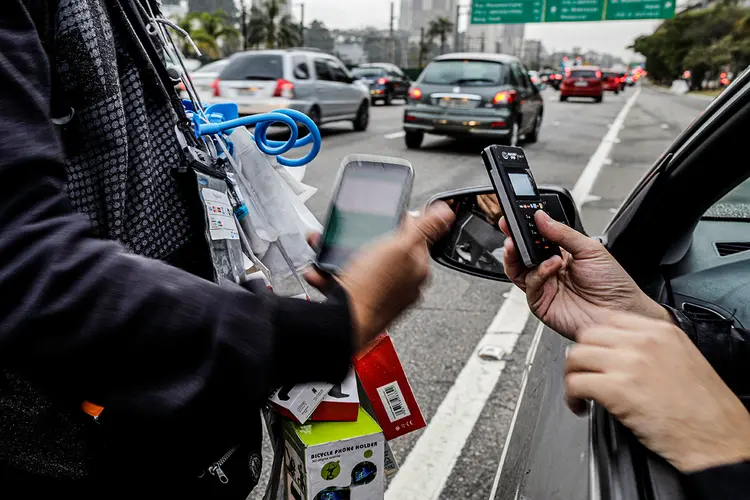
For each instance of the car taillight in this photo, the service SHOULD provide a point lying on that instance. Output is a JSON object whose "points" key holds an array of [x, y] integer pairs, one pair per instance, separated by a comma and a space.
{"points": [[216, 88], [598, 74], [415, 93], [284, 88], [382, 81], [505, 97]]}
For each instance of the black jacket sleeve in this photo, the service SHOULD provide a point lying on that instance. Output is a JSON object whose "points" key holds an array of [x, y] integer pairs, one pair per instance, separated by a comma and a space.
{"points": [[728, 482], [727, 349], [80, 315]]}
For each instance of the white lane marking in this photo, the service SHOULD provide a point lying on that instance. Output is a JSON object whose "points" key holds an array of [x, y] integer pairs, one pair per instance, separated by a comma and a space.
{"points": [[591, 172], [429, 465], [395, 135], [530, 357], [425, 471]]}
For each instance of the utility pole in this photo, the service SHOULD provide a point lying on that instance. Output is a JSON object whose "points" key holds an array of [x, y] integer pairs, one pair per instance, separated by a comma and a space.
{"points": [[302, 24], [243, 20], [484, 34], [393, 40], [456, 41], [421, 47]]}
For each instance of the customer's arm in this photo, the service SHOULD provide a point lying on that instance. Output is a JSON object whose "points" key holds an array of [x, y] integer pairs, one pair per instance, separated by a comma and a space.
{"points": [[725, 347], [80, 316], [727, 482]]}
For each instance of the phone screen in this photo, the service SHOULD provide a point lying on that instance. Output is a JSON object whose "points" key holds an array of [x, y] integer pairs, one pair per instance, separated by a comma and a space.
{"points": [[522, 185], [369, 204]]}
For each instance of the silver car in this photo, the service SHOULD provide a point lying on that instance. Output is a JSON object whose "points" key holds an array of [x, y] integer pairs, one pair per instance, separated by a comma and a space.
{"points": [[309, 81]]}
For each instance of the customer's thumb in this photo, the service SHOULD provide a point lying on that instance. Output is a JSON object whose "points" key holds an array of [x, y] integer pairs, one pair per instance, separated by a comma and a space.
{"points": [[565, 236], [432, 225]]}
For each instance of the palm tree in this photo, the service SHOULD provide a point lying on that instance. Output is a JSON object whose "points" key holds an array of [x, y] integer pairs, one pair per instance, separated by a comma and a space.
{"points": [[207, 29], [440, 27], [267, 26]]}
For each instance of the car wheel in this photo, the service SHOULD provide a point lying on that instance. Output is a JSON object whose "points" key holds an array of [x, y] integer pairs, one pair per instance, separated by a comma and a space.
{"points": [[599, 99], [533, 136], [363, 117], [314, 115], [563, 98], [414, 140], [513, 138], [388, 99], [617, 92]]}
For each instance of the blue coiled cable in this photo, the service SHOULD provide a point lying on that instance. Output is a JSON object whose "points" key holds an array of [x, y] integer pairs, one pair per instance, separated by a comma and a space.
{"points": [[263, 122]]}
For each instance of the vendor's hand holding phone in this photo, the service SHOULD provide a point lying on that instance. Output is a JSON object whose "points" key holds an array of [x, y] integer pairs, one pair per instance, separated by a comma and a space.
{"points": [[378, 254]]}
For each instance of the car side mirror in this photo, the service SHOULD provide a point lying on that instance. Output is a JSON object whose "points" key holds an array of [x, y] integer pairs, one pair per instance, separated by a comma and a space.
{"points": [[475, 244]]}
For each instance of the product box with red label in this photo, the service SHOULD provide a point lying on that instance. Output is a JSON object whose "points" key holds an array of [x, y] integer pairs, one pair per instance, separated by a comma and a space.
{"points": [[300, 401], [341, 404], [383, 380]]}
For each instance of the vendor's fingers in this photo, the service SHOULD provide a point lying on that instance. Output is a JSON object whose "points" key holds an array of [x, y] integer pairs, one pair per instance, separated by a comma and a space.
{"points": [[320, 281], [313, 239], [602, 336], [512, 264]]}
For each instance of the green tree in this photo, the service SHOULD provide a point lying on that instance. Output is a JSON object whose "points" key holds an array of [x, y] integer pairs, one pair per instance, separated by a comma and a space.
{"points": [[319, 37], [440, 28], [704, 41], [268, 27], [210, 31]]}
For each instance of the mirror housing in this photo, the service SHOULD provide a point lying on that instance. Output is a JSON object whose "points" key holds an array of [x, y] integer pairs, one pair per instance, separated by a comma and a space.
{"points": [[474, 246]]}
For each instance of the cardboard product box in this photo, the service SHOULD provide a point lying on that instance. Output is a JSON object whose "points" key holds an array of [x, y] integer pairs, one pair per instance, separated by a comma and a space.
{"points": [[335, 460], [300, 401], [389, 394], [341, 404]]}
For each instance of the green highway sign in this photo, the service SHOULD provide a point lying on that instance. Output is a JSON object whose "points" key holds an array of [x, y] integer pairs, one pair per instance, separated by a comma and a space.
{"points": [[551, 11]]}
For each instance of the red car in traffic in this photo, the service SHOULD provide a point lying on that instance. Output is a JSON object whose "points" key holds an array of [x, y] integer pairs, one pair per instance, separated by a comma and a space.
{"points": [[611, 81], [583, 81]]}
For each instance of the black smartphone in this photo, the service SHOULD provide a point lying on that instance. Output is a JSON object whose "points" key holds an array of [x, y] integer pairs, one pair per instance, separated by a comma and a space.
{"points": [[370, 200], [519, 198]]}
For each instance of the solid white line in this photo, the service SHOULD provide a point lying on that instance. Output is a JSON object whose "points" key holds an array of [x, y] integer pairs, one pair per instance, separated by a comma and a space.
{"points": [[395, 135], [427, 468], [586, 182]]}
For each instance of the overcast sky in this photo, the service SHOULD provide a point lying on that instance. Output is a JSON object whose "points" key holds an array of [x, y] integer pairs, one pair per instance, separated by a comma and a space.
{"points": [[611, 36]]}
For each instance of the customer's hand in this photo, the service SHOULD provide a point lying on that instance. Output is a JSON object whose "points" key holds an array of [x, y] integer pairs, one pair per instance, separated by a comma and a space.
{"points": [[650, 376], [385, 279], [575, 291]]}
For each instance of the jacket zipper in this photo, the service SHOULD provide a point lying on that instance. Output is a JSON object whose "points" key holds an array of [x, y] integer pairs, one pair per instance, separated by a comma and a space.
{"points": [[215, 469]]}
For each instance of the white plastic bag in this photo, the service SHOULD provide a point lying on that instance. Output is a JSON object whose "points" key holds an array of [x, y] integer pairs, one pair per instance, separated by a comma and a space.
{"points": [[278, 220]]}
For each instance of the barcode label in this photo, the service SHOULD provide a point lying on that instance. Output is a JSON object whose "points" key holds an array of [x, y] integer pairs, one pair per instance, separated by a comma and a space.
{"points": [[393, 401]]}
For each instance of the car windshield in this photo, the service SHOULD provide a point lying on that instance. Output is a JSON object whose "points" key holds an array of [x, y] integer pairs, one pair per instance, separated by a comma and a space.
{"points": [[467, 73], [214, 67], [368, 72], [583, 74], [610, 75], [254, 67]]}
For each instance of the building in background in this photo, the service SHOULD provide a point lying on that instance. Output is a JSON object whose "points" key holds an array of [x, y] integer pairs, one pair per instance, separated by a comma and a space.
{"points": [[417, 14], [174, 9], [498, 38], [533, 54], [284, 9], [227, 6]]}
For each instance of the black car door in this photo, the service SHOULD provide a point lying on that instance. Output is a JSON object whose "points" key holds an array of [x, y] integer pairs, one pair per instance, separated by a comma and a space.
{"points": [[683, 234]]}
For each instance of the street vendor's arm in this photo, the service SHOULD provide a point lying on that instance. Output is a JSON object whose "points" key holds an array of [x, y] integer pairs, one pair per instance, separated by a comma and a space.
{"points": [[80, 315]]}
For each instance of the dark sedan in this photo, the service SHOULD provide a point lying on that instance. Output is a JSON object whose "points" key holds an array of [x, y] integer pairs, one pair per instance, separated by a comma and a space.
{"points": [[474, 95], [386, 81]]}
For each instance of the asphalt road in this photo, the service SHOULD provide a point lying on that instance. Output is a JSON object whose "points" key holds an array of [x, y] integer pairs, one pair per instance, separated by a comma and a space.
{"points": [[437, 338]]}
